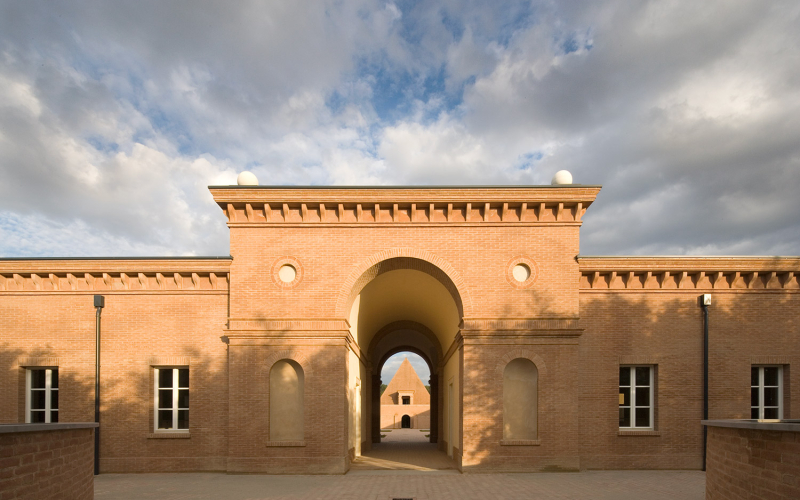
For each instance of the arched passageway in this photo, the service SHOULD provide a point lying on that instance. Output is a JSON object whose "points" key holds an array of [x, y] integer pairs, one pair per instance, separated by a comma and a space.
{"points": [[405, 422], [405, 304]]}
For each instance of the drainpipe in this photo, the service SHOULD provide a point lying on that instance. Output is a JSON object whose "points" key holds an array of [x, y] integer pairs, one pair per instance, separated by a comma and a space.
{"points": [[99, 303], [705, 301]]}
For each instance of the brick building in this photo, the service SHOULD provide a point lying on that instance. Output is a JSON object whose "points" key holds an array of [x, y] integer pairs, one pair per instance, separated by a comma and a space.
{"points": [[406, 403], [268, 360]]}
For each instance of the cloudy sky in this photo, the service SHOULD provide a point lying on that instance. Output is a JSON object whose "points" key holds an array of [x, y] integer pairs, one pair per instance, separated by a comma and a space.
{"points": [[116, 116]]}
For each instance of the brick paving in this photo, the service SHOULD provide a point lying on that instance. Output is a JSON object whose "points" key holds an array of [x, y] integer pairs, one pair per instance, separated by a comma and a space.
{"points": [[403, 449], [387, 485]]}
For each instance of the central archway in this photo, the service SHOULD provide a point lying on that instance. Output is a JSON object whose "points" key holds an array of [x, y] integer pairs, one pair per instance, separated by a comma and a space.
{"points": [[406, 336], [405, 303]]}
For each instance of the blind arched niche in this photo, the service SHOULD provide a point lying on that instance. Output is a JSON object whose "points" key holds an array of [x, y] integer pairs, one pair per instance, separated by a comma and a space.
{"points": [[286, 384], [520, 400]]}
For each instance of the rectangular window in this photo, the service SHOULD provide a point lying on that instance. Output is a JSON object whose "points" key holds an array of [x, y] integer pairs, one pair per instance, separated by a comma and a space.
{"points": [[41, 395], [636, 390], [406, 400], [171, 399], [766, 392]]}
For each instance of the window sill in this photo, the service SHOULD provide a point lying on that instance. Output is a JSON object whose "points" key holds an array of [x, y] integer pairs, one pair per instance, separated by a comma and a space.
{"points": [[520, 442], [271, 444], [168, 435], [632, 432]]}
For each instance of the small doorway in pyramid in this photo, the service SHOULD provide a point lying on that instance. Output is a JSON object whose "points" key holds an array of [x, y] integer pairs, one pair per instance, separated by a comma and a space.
{"points": [[406, 422]]}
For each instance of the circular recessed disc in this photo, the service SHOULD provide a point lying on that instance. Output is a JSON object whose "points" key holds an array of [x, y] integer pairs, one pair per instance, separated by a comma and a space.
{"points": [[287, 273], [521, 272]]}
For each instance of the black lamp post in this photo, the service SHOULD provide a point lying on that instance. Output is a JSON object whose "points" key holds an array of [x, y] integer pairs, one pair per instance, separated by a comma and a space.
{"points": [[99, 303]]}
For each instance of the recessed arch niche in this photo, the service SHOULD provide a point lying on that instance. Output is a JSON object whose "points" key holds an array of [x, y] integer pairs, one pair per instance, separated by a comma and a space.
{"points": [[286, 405], [520, 400]]}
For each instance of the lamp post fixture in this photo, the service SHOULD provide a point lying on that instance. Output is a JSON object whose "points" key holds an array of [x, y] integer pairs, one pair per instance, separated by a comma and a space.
{"points": [[99, 303]]}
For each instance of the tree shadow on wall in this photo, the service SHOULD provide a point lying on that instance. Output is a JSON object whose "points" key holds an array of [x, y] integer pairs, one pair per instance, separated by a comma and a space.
{"points": [[128, 440], [579, 392]]}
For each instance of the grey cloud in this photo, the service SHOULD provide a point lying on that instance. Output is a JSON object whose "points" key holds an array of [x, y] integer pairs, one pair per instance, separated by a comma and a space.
{"points": [[678, 109]]}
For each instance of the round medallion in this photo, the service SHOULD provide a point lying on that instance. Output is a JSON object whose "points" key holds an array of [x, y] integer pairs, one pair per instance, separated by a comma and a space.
{"points": [[287, 272], [521, 272]]}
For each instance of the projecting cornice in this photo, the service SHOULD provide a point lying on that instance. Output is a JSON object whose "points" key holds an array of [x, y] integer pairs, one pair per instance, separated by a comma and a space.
{"points": [[267, 205], [114, 275], [689, 273]]}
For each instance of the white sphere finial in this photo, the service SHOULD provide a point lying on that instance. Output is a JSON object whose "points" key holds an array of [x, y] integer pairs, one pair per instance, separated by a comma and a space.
{"points": [[247, 179], [562, 177]]}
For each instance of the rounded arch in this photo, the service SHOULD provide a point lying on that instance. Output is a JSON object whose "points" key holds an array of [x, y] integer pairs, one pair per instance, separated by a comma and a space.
{"points": [[286, 401], [416, 351], [402, 258], [298, 358], [406, 325], [510, 356], [520, 400]]}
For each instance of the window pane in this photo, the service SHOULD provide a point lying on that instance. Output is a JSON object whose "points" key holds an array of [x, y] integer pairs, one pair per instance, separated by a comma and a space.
{"points": [[624, 417], [54, 400], [771, 413], [770, 396], [754, 396], [771, 375], [754, 413], [53, 416], [37, 417], [183, 398], [625, 376], [626, 395], [37, 400], [165, 398], [754, 375], [165, 419], [183, 419], [54, 378], [642, 396], [183, 377], [37, 379], [642, 375], [165, 378], [642, 417]]}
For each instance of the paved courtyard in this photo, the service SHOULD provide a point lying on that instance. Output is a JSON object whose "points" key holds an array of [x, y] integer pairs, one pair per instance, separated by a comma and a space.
{"points": [[403, 449], [387, 485], [405, 465]]}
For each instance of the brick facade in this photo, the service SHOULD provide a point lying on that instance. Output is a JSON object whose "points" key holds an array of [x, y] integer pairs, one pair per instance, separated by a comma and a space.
{"points": [[230, 319], [747, 463], [55, 463]]}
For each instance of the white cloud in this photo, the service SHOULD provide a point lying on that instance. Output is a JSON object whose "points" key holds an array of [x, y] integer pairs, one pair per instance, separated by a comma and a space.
{"points": [[114, 118]]}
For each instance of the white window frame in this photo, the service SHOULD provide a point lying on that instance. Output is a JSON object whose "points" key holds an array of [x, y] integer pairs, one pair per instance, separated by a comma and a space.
{"points": [[48, 393], [632, 405], [175, 388], [761, 391]]}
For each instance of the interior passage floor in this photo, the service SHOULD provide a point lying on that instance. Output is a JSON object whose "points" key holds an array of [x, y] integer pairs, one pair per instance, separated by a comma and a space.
{"points": [[446, 485], [403, 449]]}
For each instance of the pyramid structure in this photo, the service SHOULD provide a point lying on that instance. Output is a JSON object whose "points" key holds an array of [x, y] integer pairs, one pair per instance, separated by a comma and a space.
{"points": [[404, 381]]}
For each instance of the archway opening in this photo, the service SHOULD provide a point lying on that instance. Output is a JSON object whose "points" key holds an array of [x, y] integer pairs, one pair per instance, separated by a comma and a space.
{"points": [[405, 397], [405, 305]]}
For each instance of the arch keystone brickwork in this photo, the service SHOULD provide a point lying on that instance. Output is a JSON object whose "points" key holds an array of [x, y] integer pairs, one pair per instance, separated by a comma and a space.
{"points": [[403, 258], [520, 353], [299, 358]]}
